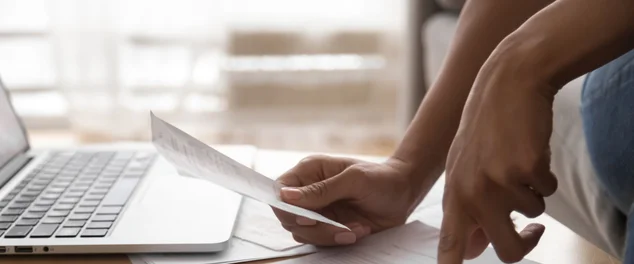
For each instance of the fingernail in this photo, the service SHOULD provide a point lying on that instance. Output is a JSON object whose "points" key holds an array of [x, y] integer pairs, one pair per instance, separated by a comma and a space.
{"points": [[534, 228], [303, 221], [345, 238], [359, 231], [291, 193]]}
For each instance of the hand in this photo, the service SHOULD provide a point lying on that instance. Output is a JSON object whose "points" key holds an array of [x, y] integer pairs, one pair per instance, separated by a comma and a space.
{"points": [[499, 162], [366, 197]]}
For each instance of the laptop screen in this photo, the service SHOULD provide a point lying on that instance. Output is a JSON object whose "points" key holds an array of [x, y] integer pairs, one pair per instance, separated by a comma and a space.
{"points": [[12, 135]]}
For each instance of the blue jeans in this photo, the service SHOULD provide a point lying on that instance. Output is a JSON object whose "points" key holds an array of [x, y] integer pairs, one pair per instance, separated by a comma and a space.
{"points": [[607, 109]]}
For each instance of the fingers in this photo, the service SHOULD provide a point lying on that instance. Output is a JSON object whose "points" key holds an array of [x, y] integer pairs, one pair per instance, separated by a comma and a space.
{"points": [[528, 202], [452, 244], [328, 235], [509, 245], [286, 219], [478, 242], [320, 194], [531, 235], [314, 169], [545, 183]]}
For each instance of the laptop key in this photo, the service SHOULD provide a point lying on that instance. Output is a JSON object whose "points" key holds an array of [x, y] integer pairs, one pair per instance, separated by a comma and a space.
{"points": [[110, 210], [8, 218], [94, 233], [59, 213], [33, 215], [44, 230], [68, 232], [13, 212], [88, 209], [50, 196], [120, 192], [75, 223], [104, 218], [53, 220], [88, 203], [75, 195], [62, 207], [69, 200], [18, 232], [94, 225], [44, 202], [77, 216], [27, 222], [16, 205], [26, 201], [4, 226], [39, 208], [97, 198]]}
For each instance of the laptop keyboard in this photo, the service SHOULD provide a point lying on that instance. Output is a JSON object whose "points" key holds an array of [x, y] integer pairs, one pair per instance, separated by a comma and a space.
{"points": [[73, 194]]}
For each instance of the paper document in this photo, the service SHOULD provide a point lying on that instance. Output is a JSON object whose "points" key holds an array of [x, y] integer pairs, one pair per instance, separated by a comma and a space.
{"points": [[190, 155], [257, 224], [411, 243], [239, 251]]}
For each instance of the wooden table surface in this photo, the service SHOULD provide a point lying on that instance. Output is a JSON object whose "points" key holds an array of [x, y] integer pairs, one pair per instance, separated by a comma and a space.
{"points": [[559, 245]]}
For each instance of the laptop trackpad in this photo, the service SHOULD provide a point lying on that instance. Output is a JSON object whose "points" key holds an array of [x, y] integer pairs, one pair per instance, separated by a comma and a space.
{"points": [[177, 208]]}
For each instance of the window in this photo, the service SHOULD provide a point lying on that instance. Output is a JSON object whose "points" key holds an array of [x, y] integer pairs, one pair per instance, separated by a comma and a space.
{"points": [[218, 66]]}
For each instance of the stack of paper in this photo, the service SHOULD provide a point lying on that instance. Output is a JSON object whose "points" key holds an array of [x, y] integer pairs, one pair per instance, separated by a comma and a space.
{"points": [[411, 243]]}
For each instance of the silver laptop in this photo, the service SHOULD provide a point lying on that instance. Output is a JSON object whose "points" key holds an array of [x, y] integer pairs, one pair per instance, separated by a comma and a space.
{"points": [[103, 200]]}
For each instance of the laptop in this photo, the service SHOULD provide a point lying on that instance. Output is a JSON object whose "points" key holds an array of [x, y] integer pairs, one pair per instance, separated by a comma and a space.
{"points": [[107, 199]]}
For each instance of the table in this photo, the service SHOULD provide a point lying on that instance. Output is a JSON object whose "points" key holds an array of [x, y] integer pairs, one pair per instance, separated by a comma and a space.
{"points": [[558, 245]]}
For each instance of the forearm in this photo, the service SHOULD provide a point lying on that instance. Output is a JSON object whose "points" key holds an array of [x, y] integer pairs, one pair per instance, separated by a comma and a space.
{"points": [[482, 25], [566, 40]]}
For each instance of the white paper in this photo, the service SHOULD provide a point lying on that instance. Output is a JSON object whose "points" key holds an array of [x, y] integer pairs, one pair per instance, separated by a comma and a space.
{"points": [[257, 224], [239, 251], [411, 243], [190, 155]]}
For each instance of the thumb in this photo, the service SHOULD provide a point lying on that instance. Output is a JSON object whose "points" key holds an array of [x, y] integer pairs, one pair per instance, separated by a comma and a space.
{"points": [[317, 195], [531, 235]]}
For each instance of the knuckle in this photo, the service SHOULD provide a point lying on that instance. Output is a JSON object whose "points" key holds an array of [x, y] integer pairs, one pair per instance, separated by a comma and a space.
{"points": [[316, 189], [448, 242], [358, 170], [313, 160]]}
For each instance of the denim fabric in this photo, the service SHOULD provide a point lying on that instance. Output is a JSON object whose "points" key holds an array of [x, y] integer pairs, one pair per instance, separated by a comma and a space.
{"points": [[607, 109]]}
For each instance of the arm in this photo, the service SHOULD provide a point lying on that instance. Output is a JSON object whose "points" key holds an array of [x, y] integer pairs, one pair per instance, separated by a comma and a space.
{"points": [[568, 39], [482, 25], [499, 161]]}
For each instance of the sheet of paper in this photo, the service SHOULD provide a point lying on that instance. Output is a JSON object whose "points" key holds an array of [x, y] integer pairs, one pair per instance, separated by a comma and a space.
{"points": [[257, 224], [411, 243], [238, 251], [195, 158]]}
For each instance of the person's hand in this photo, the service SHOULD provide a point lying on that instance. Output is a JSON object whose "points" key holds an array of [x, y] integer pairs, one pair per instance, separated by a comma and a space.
{"points": [[499, 162], [366, 197]]}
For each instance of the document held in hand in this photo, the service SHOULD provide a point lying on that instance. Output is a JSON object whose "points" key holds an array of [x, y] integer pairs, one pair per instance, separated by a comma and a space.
{"points": [[195, 158]]}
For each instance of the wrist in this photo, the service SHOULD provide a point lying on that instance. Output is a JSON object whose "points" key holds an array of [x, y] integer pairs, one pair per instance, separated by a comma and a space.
{"points": [[523, 59], [419, 178]]}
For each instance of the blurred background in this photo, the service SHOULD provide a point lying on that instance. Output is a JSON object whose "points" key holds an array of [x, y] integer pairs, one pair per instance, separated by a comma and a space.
{"points": [[318, 75]]}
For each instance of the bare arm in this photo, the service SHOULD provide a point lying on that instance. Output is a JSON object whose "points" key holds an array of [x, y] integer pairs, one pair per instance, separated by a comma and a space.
{"points": [[481, 27], [568, 39]]}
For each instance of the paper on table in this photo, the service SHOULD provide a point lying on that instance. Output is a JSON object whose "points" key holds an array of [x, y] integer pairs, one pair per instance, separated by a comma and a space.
{"points": [[238, 251], [258, 224], [193, 156], [411, 243]]}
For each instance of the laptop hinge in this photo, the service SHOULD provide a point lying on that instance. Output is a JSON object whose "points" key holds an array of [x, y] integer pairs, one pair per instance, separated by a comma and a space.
{"points": [[13, 167]]}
